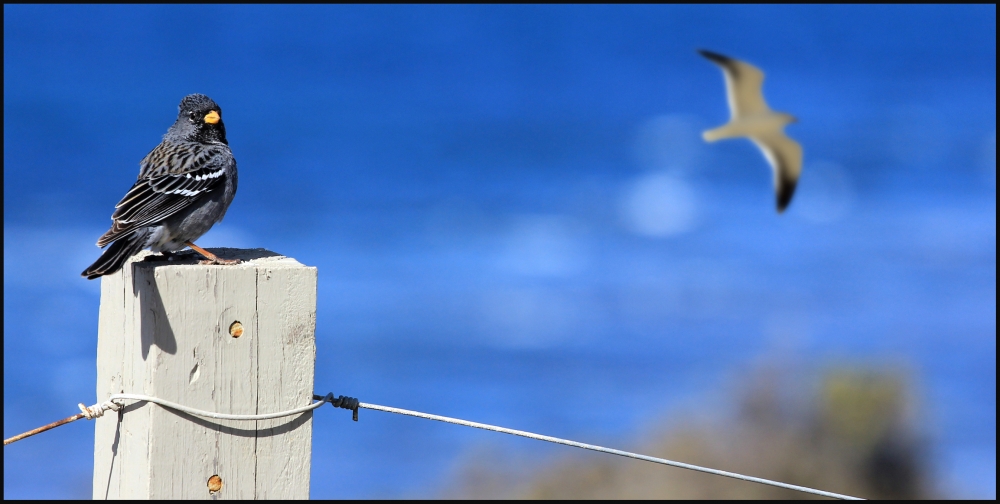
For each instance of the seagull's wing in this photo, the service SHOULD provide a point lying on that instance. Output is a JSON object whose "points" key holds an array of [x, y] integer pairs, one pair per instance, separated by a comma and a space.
{"points": [[743, 85], [785, 156]]}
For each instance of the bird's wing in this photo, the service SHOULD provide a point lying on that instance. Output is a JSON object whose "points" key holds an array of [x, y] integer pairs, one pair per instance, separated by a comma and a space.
{"points": [[743, 85], [785, 156], [172, 177]]}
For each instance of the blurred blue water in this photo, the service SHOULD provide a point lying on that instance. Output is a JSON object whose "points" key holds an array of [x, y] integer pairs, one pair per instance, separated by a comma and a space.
{"points": [[514, 217]]}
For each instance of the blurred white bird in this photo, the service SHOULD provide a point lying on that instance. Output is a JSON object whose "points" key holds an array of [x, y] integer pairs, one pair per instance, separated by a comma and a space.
{"points": [[752, 118]]}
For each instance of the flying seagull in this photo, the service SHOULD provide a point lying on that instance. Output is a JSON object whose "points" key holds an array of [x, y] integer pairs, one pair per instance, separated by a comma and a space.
{"points": [[752, 118]]}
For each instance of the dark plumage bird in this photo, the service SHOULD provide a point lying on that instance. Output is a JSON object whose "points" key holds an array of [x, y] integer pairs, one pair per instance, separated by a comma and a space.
{"points": [[185, 186]]}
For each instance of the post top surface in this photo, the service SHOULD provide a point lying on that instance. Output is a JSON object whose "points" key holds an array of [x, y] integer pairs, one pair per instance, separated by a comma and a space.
{"points": [[252, 258]]}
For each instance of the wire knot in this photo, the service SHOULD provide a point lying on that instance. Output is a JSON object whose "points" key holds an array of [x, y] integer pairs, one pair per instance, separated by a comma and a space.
{"points": [[348, 403], [97, 410]]}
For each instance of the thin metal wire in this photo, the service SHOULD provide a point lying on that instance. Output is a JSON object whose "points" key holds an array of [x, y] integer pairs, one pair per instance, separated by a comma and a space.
{"points": [[602, 449], [115, 402], [215, 416], [43, 428]]}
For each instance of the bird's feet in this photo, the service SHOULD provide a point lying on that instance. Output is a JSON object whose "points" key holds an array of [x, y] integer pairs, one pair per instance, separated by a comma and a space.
{"points": [[219, 260], [210, 257]]}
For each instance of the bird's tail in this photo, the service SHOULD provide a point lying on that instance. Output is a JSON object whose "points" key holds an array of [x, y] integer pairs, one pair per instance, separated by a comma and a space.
{"points": [[116, 254]]}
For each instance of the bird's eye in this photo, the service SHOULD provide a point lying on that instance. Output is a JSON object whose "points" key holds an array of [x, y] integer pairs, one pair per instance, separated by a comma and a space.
{"points": [[191, 116]]}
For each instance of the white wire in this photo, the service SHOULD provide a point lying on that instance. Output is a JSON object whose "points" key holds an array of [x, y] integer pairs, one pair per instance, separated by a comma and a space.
{"points": [[115, 399], [209, 414], [604, 450]]}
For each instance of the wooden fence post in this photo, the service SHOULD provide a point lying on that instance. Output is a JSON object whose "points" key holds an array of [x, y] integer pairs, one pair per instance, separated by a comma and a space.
{"points": [[234, 339]]}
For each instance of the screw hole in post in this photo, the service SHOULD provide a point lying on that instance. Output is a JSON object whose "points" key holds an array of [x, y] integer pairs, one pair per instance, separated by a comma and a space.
{"points": [[214, 484], [236, 329]]}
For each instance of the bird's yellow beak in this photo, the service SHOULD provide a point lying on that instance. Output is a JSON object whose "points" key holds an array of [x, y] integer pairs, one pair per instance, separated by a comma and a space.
{"points": [[212, 117]]}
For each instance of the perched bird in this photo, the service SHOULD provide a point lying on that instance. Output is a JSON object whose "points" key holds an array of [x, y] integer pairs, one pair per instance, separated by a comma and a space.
{"points": [[751, 117], [185, 186]]}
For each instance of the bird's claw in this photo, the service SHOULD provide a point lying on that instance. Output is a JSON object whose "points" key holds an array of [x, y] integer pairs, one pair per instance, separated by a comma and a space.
{"points": [[219, 260]]}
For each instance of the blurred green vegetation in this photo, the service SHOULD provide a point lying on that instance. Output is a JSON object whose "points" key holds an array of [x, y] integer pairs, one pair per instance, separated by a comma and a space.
{"points": [[852, 431]]}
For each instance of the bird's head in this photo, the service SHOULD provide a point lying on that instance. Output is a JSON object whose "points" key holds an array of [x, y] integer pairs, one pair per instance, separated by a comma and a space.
{"points": [[199, 119]]}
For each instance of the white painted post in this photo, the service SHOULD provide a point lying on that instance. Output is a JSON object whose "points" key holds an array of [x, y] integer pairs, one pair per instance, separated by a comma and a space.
{"points": [[234, 339]]}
